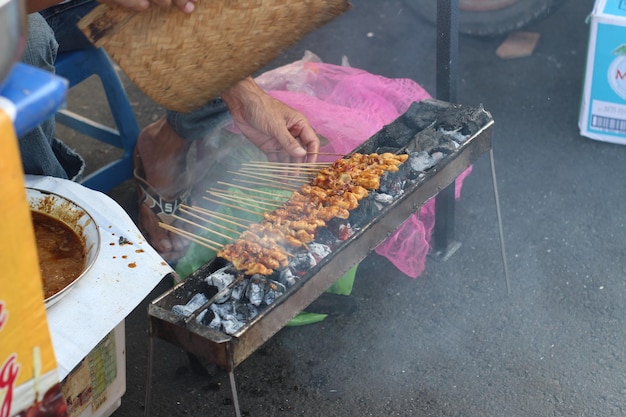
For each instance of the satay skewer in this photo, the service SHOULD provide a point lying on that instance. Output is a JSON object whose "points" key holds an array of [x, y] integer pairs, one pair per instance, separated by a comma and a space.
{"points": [[241, 200], [236, 196], [203, 228], [241, 187], [310, 153], [270, 200], [283, 166], [220, 216], [256, 213], [221, 226], [272, 177], [278, 187], [193, 237], [280, 168]]}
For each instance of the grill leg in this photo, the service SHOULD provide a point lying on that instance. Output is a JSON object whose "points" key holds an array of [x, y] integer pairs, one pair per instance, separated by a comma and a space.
{"points": [[499, 214], [233, 389]]}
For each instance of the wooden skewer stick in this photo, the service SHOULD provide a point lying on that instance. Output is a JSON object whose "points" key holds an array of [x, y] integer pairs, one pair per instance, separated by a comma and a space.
{"points": [[221, 226], [221, 216], [203, 228], [289, 176], [248, 189], [232, 206], [195, 238], [270, 200], [272, 180], [238, 198], [285, 165], [278, 187], [283, 172], [310, 153], [272, 176]]}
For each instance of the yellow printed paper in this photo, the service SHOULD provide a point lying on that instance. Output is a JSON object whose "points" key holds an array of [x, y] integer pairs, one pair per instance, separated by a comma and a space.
{"points": [[29, 382]]}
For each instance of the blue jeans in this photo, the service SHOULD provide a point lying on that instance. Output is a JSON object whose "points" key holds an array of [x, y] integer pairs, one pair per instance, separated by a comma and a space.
{"points": [[54, 31]]}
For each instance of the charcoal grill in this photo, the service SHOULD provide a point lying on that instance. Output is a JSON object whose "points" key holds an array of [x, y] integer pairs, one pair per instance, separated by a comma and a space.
{"points": [[418, 127]]}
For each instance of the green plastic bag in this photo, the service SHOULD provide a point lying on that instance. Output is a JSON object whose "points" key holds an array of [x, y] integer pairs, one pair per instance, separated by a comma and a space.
{"points": [[342, 286]]}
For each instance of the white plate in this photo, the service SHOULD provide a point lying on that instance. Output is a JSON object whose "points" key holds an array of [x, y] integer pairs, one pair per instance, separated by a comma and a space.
{"points": [[77, 219]]}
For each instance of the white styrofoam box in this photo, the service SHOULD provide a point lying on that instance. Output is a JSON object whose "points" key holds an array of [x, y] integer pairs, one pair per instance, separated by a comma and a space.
{"points": [[95, 387], [603, 106]]}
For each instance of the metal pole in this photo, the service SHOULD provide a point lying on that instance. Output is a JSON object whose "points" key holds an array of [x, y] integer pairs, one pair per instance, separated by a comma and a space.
{"points": [[444, 244]]}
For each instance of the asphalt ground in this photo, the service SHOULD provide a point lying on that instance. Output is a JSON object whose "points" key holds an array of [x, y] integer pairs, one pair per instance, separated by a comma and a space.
{"points": [[453, 342]]}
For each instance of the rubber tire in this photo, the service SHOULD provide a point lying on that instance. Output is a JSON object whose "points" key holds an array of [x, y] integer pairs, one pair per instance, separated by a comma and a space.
{"points": [[492, 23]]}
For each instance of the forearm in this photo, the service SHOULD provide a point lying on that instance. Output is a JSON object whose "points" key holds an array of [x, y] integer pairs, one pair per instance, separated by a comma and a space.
{"points": [[33, 6], [242, 93]]}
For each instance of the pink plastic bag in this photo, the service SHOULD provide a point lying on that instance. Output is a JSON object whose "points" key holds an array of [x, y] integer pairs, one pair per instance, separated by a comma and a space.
{"points": [[347, 106]]}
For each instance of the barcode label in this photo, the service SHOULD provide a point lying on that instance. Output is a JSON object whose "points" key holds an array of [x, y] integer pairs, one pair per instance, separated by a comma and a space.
{"points": [[608, 123]]}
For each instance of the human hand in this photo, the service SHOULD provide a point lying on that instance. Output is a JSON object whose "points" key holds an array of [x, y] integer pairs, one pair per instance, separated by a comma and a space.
{"points": [[281, 132], [187, 6]]}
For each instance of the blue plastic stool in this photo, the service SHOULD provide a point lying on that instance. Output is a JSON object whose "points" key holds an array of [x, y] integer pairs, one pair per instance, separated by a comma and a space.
{"points": [[76, 66], [31, 95]]}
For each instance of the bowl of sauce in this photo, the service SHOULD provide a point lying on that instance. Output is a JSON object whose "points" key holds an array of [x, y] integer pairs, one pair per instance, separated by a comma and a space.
{"points": [[67, 240]]}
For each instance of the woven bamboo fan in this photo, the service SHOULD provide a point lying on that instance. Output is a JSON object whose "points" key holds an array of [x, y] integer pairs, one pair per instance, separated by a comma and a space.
{"points": [[183, 61]]}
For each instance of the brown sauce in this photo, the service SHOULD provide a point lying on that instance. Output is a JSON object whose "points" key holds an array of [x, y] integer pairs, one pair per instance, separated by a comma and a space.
{"points": [[61, 253]]}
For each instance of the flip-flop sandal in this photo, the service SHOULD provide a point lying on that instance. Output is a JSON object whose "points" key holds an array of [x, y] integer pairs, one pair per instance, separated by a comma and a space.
{"points": [[164, 209]]}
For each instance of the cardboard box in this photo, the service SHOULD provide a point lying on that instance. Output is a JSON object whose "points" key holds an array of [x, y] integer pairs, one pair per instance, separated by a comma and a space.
{"points": [[603, 107], [95, 387]]}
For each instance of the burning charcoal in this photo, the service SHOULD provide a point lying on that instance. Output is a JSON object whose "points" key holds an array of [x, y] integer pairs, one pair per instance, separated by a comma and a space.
{"points": [[366, 211], [206, 317], [345, 231], [256, 290], [386, 149], [431, 140], [382, 198], [192, 305], [456, 135], [239, 290], [421, 161], [392, 183], [465, 121], [212, 320], [302, 263], [319, 250], [207, 289], [395, 134], [273, 291], [222, 310], [438, 156], [287, 278], [325, 236], [231, 324], [245, 312], [221, 279]]}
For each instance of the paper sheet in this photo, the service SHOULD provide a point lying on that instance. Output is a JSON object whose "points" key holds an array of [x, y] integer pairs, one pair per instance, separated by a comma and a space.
{"points": [[121, 277]]}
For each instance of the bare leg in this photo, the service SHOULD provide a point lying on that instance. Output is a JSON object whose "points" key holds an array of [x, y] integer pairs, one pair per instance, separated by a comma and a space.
{"points": [[161, 160]]}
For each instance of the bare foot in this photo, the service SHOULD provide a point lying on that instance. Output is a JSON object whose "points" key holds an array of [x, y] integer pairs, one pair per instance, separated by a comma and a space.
{"points": [[161, 162]]}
